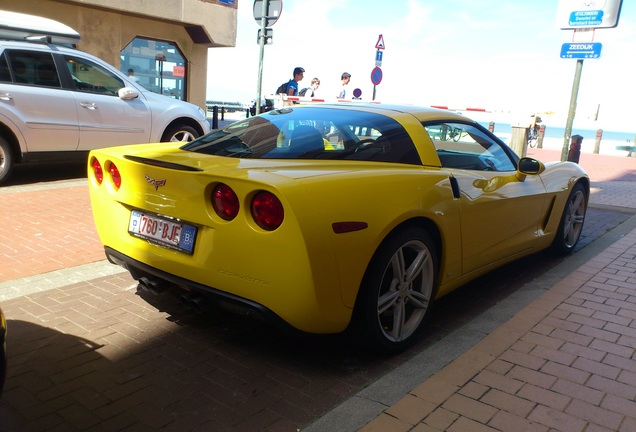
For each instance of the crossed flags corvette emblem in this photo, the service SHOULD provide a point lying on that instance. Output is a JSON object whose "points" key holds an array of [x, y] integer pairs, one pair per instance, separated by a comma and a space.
{"points": [[156, 183]]}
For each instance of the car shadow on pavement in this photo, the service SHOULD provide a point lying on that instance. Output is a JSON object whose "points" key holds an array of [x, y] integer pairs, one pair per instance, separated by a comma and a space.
{"points": [[210, 371], [477, 296], [26, 174]]}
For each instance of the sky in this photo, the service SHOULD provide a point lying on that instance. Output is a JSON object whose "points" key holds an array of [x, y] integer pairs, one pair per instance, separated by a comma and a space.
{"points": [[502, 56]]}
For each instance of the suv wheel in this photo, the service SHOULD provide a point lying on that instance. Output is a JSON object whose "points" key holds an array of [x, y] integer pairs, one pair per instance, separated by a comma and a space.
{"points": [[6, 159], [180, 133]]}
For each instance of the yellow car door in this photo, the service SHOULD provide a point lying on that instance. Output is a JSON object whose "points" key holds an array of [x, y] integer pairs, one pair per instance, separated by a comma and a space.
{"points": [[501, 210], [500, 215]]}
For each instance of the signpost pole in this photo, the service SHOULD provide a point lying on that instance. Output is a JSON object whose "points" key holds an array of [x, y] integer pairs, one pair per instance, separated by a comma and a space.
{"points": [[261, 44], [587, 16], [572, 110]]}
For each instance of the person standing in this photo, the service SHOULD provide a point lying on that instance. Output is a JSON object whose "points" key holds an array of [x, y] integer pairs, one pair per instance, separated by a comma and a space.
{"points": [[344, 79], [311, 90], [131, 75], [292, 85]]}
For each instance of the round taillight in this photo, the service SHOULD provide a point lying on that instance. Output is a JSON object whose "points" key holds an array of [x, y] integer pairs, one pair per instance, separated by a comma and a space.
{"points": [[115, 175], [98, 172], [267, 210], [225, 202]]}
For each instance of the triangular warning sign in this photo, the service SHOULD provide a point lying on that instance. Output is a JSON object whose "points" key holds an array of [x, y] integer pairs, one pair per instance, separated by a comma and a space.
{"points": [[380, 44]]}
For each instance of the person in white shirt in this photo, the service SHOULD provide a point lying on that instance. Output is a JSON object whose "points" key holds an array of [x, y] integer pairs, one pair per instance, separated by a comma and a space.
{"points": [[344, 79]]}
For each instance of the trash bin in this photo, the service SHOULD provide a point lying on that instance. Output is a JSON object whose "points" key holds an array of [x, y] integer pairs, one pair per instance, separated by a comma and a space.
{"points": [[575, 148]]}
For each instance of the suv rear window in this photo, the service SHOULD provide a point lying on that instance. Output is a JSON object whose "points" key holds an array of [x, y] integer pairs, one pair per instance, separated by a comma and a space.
{"points": [[33, 67]]}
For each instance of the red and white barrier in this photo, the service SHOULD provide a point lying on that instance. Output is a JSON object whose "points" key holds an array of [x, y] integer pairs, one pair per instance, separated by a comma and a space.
{"points": [[280, 99], [444, 107]]}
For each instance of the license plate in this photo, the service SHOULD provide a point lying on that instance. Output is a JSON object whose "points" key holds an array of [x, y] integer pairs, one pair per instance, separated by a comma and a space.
{"points": [[175, 235]]}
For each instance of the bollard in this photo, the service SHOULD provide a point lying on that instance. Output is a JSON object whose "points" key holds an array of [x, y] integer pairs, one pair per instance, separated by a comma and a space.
{"points": [[540, 136], [223, 113], [597, 143], [575, 148], [491, 127], [215, 117], [519, 140]]}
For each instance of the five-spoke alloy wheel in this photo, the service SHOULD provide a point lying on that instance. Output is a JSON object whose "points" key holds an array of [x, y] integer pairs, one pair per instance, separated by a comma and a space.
{"points": [[571, 224], [397, 291]]}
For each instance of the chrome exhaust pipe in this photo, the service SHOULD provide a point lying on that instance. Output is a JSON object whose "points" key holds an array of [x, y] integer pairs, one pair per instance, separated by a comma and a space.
{"points": [[186, 300], [196, 302], [142, 284], [200, 304], [155, 286]]}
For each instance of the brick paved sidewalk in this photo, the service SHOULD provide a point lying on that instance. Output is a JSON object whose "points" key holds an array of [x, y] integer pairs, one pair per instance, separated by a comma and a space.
{"points": [[49, 230], [566, 362]]}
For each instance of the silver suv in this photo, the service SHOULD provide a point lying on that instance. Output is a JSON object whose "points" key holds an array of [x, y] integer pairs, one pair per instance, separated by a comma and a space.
{"points": [[57, 103]]}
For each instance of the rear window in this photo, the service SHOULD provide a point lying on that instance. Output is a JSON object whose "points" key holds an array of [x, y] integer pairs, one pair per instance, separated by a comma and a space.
{"points": [[33, 67], [312, 133]]}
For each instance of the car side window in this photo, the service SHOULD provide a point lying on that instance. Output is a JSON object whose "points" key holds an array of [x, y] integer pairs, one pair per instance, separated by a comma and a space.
{"points": [[465, 146], [33, 67], [90, 77], [5, 74]]}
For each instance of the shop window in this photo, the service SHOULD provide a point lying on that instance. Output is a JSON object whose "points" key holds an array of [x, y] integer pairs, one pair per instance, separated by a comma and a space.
{"points": [[159, 66]]}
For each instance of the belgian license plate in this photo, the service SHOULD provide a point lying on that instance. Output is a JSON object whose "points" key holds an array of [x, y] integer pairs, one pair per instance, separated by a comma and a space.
{"points": [[175, 235]]}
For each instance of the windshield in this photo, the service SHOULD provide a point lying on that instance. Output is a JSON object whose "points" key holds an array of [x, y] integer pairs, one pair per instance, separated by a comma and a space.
{"points": [[312, 133]]}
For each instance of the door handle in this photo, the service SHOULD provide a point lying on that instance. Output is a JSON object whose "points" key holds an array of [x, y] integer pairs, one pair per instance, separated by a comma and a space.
{"points": [[89, 105], [5, 96]]}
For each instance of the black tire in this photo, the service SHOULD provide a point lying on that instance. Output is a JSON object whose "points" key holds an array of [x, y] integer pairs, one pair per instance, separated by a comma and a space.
{"points": [[397, 291], [6, 160], [572, 219], [183, 133]]}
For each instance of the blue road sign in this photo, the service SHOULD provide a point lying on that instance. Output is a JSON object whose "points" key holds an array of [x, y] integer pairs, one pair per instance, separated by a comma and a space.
{"points": [[378, 58], [592, 18], [581, 50], [376, 76]]}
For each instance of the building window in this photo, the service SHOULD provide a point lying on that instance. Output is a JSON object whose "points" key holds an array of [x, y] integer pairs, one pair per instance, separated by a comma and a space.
{"points": [[157, 65]]}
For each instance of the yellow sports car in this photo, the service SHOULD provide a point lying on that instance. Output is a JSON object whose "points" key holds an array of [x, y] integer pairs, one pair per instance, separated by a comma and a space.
{"points": [[331, 217]]}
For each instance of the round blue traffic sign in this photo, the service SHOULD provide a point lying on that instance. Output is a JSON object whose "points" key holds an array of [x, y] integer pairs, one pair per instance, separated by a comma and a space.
{"points": [[376, 76]]}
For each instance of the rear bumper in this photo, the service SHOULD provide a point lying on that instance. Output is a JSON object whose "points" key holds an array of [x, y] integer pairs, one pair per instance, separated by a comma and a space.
{"points": [[229, 301]]}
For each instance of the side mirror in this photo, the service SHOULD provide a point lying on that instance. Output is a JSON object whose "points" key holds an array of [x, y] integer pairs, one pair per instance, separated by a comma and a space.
{"points": [[529, 166], [127, 93]]}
